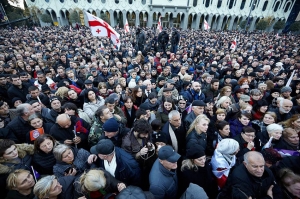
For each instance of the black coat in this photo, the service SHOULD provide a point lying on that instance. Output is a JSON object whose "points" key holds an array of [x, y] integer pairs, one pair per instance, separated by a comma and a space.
{"points": [[243, 146], [51, 116], [14, 194], [62, 134], [19, 127], [127, 171], [241, 184], [195, 138], [43, 162], [14, 91], [202, 177], [291, 162]]}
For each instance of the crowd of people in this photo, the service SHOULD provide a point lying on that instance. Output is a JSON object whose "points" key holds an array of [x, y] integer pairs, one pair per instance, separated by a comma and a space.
{"points": [[176, 114]]}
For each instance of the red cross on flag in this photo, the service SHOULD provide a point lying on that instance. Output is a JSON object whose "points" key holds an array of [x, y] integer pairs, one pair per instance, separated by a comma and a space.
{"points": [[206, 26], [159, 26], [233, 44], [100, 28], [126, 27]]}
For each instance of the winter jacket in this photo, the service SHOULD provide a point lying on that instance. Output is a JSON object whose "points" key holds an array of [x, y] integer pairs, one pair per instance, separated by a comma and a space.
{"points": [[130, 117], [194, 191], [163, 182], [15, 91], [127, 171], [14, 194], [90, 108], [95, 132], [152, 107], [196, 138], [190, 95], [210, 93], [243, 146], [162, 115], [241, 185], [43, 162], [19, 127], [236, 127], [79, 163], [189, 120], [51, 116], [62, 134]]}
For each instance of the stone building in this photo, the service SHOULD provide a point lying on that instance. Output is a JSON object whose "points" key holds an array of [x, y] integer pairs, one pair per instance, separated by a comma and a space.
{"points": [[220, 14]]}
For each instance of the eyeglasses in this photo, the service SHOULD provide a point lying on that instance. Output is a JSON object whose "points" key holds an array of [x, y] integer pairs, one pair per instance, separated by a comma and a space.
{"points": [[249, 136]]}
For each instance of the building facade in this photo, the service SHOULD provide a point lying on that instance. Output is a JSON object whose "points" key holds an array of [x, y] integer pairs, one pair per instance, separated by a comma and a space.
{"points": [[220, 14]]}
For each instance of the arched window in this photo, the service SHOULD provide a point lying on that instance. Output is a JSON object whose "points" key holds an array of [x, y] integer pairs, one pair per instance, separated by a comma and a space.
{"points": [[45, 0], [130, 1], [207, 3], [117, 1], [61, 1], [243, 4], [195, 2], [32, 0], [231, 4], [144, 2], [89, 1], [287, 6], [103, 1], [219, 3], [265, 5], [276, 6]]}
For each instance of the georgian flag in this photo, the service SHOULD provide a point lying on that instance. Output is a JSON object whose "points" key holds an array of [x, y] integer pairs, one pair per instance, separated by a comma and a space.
{"points": [[159, 26], [71, 30], [126, 27], [100, 28], [206, 25], [233, 44]]}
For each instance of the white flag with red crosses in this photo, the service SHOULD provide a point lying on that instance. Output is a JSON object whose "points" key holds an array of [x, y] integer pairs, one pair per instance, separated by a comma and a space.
{"points": [[100, 28], [206, 25], [126, 27]]}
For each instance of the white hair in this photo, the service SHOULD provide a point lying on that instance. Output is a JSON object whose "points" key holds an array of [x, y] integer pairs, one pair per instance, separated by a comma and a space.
{"points": [[274, 127], [221, 100], [172, 114]]}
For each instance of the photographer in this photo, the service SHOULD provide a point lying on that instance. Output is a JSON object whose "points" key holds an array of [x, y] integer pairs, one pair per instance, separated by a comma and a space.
{"points": [[138, 142], [163, 40], [175, 40], [140, 39]]}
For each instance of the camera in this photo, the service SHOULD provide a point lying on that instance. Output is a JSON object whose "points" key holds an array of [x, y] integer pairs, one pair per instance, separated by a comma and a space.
{"points": [[149, 146]]}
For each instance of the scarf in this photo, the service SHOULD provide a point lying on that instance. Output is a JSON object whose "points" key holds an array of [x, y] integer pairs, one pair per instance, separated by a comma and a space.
{"points": [[173, 138]]}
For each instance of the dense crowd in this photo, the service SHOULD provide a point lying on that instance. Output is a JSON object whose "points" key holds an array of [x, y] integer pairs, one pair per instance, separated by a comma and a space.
{"points": [[176, 114]]}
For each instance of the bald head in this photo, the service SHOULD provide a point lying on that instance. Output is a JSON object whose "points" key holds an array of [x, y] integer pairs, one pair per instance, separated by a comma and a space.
{"points": [[255, 163], [63, 120]]}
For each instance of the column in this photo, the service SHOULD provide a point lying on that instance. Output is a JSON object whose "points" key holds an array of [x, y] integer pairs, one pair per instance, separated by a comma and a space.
{"points": [[137, 16], [98, 13], [111, 18], [220, 22], [150, 19], [252, 25], [124, 17], [184, 23], [231, 22], [197, 21]]}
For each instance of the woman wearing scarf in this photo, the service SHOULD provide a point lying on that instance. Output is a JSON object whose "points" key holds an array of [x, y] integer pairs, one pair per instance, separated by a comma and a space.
{"points": [[224, 159]]}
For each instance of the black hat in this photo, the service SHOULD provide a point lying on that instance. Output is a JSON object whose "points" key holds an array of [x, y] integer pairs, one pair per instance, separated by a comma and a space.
{"points": [[81, 67], [160, 79], [174, 75], [103, 147], [199, 67], [168, 153], [274, 90], [145, 106], [53, 98], [194, 152], [161, 137], [252, 74], [88, 81], [198, 103], [15, 99], [111, 125], [260, 70], [227, 77], [45, 88]]}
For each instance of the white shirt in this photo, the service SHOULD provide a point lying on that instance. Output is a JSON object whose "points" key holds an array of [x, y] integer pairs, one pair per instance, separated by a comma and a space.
{"points": [[111, 167]]}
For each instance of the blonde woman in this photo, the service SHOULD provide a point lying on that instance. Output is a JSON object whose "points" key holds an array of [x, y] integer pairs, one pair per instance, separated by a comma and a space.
{"points": [[224, 103], [62, 92], [196, 135], [20, 185], [99, 182]]}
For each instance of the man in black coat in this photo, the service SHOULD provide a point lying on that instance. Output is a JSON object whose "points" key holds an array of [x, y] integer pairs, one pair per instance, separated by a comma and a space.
{"points": [[163, 40], [252, 179], [4, 86], [55, 103], [140, 39], [175, 40], [116, 161], [63, 131], [18, 89]]}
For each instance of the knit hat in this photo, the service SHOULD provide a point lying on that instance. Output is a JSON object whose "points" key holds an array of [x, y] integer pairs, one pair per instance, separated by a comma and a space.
{"points": [[53, 98], [132, 83], [195, 151], [88, 81], [271, 156], [228, 146], [103, 147], [145, 106], [111, 125], [274, 90], [160, 79], [194, 191], [115, 96], [132, 192], [262, 103], [286, 89], [15, 99], [245, 98], [198, 103], [161, 137]]}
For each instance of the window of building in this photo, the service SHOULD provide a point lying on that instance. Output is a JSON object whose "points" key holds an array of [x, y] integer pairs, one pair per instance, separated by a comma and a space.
{"points": [[276, 6], [61, 1], [130, 1], [89, 1], [117, 1], [103, 1], [243, 4], [45, 0], [207, 3], [287, 6], [219, 3], [32, 0], [195, 2], [144, 2], [231, 4], [75, 1], [265, 5]]}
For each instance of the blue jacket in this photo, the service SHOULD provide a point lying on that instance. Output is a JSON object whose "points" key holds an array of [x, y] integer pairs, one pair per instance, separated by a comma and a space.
{"points": [[128, 170], [190, 96], [236, 127], [163, 183]]}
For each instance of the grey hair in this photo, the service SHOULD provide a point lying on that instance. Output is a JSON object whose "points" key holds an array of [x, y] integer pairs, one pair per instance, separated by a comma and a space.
{"points": [[59, 150], [255, 92], [172, 114], [274, 127], [43, 186], [23, 108], [251, 154]]}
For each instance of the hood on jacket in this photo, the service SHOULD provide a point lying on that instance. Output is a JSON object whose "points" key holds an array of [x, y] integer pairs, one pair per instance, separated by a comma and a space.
{"points": [[194, 192]]}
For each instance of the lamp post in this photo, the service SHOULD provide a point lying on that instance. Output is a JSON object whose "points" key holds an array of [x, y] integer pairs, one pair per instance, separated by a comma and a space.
{"points": [[248, 19]]}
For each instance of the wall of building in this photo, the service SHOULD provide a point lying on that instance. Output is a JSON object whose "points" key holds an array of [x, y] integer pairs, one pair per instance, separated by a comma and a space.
{"points": [[220, 14]]}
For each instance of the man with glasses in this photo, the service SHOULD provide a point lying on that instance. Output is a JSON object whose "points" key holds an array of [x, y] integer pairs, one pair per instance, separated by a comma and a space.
{"points": [[116, 161]]}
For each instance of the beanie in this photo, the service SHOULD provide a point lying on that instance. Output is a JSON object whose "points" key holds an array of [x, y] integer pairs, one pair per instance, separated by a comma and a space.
{"points": [[111, 125], [228, 146]]}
